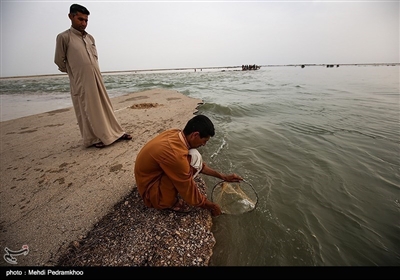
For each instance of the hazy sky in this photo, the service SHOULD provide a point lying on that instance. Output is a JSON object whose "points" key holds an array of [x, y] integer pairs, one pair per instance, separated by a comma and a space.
{"points": [[138, 35]]}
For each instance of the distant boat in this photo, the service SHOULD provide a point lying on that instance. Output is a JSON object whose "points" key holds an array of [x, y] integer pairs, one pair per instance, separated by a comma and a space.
{"points": [[250, 67]]}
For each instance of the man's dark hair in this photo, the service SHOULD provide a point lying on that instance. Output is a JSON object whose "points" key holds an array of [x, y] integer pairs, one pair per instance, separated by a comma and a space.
{"points": [[201, 124], [75, 8]]}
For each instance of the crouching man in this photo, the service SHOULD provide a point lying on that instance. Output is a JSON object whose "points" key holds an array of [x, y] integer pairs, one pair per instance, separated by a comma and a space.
{"points": [[166, 166]]}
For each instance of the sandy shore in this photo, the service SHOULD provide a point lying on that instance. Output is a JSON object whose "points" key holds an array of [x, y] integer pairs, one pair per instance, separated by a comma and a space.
{"points": [[54, 192]]}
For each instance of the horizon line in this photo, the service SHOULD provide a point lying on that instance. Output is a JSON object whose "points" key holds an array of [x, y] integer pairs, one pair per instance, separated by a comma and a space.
{"points": [[216, 67]]}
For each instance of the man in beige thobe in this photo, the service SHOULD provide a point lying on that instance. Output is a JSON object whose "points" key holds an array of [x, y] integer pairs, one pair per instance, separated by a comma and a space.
{"points": [[76, 55]]}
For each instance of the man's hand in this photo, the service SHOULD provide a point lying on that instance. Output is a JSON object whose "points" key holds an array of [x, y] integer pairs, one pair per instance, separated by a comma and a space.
{"points": [[229, 178], [232, 178]]}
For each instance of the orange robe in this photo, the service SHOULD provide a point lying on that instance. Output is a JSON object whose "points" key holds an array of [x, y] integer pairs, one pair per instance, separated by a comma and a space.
{"points": [[76, 55], [162, 170]]}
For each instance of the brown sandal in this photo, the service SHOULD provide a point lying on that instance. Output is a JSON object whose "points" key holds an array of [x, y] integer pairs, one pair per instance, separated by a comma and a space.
{"points": [[125, 137], [99, 145], [182, 206]]}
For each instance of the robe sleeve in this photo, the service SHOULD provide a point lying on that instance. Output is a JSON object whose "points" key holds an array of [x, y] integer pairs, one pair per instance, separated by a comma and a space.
{"points": [[60, 56]]}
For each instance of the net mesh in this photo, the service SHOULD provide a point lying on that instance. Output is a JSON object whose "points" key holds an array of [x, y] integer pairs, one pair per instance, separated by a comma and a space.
{"points": [[234, 197]]}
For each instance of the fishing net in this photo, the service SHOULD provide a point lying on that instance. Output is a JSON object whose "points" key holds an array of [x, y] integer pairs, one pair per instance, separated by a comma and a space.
{"points": [[234, 198]]}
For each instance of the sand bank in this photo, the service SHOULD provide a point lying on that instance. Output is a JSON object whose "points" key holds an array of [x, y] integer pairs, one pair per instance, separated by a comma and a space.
{"points": [[54, 192]]}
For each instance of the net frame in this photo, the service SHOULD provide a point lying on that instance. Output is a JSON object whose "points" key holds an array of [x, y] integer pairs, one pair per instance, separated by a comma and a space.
{"points": [[244, 181]]}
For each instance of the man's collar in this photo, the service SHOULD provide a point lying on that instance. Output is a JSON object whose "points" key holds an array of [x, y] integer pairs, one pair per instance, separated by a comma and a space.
{"points": [[78, 32], [183, 139]]}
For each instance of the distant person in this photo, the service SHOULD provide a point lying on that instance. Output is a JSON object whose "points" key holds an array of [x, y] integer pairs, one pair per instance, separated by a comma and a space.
{"points": [[76, 55], [165, 168]]}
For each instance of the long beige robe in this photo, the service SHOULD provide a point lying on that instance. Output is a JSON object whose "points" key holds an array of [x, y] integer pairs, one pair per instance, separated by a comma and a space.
{"points": [[76, 55]]}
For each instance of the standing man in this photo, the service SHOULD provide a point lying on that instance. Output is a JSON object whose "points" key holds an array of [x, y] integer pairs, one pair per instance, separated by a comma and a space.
{"points": [[76, 55], [166, 166]]}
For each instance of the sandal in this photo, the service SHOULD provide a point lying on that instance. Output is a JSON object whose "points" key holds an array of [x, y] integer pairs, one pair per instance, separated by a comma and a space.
{"points": [[125, 137], [99, 145], [182, 206]]}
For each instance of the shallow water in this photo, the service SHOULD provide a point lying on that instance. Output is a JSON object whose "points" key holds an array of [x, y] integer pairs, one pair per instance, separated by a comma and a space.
{"points": [[319, 145]]}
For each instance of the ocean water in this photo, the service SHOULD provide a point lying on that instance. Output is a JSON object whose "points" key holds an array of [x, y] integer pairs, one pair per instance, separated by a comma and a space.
{"points": [[319, 145]]}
